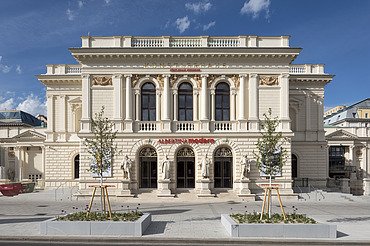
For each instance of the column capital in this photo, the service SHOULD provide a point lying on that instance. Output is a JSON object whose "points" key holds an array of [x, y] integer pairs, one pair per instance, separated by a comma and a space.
{"points": [[85, 75], [284, 75], [204, 75], [117, 76], [127, 75], [166, 75], [253, 75], [174, 92], [212, 91], [137, 92]]}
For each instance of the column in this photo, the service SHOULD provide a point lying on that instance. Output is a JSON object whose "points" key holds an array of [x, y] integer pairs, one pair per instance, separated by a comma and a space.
{"points": [[232, 104], [213, 105], [308, 116], [137, 104], [195, 104], [128, 116], [118, 101], [166, 98], [175, 105], [62, 108], [320, 122], [18, 163], [204, 109], [253, 101], [86, 103], [166, 121], [284, 102], [158, 105], [50, 115]]}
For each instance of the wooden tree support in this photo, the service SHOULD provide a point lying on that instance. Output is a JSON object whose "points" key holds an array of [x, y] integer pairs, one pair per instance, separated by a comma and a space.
{"points": [[268, 191], [104, 194]]}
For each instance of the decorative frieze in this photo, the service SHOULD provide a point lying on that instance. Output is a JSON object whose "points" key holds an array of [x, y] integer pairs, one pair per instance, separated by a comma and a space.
{"points": [[269, 80], [102, 80]]}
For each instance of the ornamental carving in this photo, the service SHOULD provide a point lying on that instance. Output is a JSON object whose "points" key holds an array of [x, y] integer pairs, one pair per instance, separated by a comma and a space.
{"points": [[148, 152], [102, 80], [198, 79], [135, 79], [185, 152], [223, 152], [160, 80], [268, 80], [236, 80], [211, 78]]}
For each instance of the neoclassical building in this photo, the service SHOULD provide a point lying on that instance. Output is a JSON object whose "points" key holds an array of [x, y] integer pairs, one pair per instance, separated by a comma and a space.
{"points": [[186, 111]]}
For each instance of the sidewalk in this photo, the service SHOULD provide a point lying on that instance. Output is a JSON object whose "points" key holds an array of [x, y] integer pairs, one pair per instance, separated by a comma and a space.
{"points": [[182, 217]]}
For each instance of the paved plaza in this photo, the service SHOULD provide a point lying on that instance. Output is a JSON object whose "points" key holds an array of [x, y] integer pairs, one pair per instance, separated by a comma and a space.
{"points": [[186, 217]]}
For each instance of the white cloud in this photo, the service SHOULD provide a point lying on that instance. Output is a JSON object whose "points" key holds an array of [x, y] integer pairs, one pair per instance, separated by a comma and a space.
{"points": [[70, 14], [107, 2], [32, 105], [255, 7], [5, 68], [81, 4], [209, 25], [199, 7], [182, 24], [18, 69], [7, 105]]}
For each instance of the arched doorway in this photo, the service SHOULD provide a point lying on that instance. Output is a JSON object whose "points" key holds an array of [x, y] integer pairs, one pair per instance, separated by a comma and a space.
{"points": [[76, 165], [148, 167], [185, 168], [223, 168], [294, 166]]}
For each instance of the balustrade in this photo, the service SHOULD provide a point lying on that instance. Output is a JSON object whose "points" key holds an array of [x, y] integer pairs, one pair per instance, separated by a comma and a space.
{"points": [[185, 126], [223, 42], [223, 126], [147, 126]]}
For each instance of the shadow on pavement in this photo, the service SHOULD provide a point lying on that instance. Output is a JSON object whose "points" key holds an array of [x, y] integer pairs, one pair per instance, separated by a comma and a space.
{"points": [[167, 211], [156, 227], [349, 219], [341, 234], [23, 220]]}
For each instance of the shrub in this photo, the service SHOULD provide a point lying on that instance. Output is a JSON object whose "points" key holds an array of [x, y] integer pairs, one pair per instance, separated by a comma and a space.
{"points": [[97, 216], [275, 218]]}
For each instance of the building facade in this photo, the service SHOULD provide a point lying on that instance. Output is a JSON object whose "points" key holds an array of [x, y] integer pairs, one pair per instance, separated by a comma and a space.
{"points": [[348, 136], [186, 111]]}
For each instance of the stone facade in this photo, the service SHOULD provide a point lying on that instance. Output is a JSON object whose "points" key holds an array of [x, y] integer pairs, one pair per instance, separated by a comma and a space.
{"points": [[258, 74]]}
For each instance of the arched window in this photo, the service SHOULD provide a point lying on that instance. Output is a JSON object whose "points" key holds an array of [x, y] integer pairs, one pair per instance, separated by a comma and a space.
{"points": [[222, 102], [185, 102], [185, 168], [76, 165], [148, 107]]}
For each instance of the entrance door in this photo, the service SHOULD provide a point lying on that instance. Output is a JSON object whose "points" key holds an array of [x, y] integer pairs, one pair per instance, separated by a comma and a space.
{"points": [[185, 173], [223, 168], [185, 168], [294, 166], [148, 168]]}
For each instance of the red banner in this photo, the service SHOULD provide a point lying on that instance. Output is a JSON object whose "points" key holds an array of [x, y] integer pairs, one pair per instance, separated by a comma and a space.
{"points": [[186, 141]]}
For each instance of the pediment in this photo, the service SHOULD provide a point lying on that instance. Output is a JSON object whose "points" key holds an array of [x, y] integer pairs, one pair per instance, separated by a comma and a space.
{"points": [[29, 135], [341, 134]]}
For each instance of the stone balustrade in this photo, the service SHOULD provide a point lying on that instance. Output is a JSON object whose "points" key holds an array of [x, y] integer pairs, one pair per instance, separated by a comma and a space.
{"points": [[184, 42], [62, 69], [307, 69]]}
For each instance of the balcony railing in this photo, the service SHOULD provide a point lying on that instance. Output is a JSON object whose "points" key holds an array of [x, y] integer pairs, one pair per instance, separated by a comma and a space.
{"points": [[184, 42], [224, 126], [62, 69], [148, 126], [185, 126], [307, 69]]}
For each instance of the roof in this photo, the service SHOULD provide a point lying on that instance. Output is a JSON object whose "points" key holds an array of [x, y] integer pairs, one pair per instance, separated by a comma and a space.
{"points": [[18, 117], [365, 104]]}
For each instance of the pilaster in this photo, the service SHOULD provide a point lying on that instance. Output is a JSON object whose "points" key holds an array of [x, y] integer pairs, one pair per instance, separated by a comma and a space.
{"points": [[166, 112], [86, 103], [128, 116], [204, 105], [284, 102], [118, 101], [253, 101]]}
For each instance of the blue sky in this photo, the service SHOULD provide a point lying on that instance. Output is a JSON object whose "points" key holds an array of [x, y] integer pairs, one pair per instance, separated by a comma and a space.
{"points": [[36, 33]]}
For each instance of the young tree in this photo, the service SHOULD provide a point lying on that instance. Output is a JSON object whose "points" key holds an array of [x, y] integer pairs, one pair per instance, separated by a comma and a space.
{"points": [[271, 156], [101, 147]]}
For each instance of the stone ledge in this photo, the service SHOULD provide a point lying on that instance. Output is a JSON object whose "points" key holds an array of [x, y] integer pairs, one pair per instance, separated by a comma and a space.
{"points": [[113, 228], [278, 230]]}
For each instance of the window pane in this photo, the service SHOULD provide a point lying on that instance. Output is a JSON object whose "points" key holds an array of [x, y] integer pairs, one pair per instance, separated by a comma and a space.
{"points": [[144, 115], [189, 115], [218, 101], [218, 114], [181, 101], [189, 101], [226, 101], [151, 103], [152, 115], [182, 114], [144, 101], [226, 115]]}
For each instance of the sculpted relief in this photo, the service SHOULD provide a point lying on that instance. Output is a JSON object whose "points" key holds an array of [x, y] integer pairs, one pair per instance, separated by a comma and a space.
{"points": [[102, 80], [269, 80]]}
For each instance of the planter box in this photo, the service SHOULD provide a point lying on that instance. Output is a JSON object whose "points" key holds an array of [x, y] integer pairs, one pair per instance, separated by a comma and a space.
{"points": [[278, 230], [28, 187], [98, 228]]}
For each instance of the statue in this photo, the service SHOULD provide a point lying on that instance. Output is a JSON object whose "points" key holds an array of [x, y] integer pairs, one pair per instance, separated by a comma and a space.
{"points": [[166, 168], [126, 167], [245, 167], [205, 167]]}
